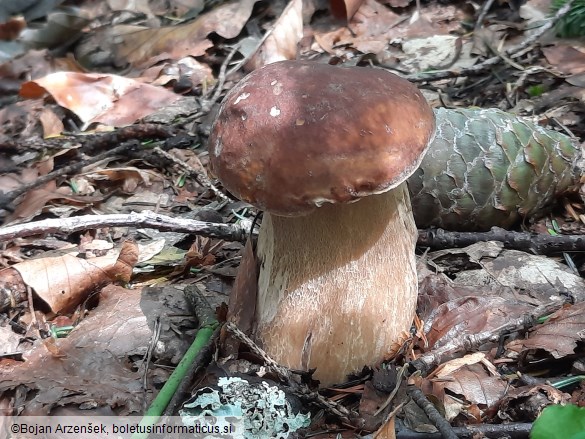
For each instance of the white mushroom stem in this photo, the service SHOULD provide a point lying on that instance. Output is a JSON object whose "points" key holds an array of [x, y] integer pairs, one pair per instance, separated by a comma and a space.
{"points": [[337, 289]]}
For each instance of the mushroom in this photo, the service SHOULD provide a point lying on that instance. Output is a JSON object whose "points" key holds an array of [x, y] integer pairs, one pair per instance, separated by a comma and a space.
{"points": [[325, 151]]}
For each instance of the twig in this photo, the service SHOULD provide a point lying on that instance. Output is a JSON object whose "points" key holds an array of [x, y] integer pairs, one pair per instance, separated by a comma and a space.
{"points": [[222, 75], [248, 57], [285, 374], [199, 174], [432, 413], [470, 342], [482, 13], [146, 361], [485, 65], [401, 373], [92, 143], [146, 219], [530, 242], [31, 308], [512, 431], [7, 199]]}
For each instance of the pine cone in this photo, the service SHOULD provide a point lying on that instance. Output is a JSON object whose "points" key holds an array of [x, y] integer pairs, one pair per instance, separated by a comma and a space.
{"points": [[489, 168]]}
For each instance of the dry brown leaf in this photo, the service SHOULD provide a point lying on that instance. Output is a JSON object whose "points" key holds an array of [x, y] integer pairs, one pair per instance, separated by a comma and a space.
{"points": [[52, 125], [470, 315], [387, 430], [344, 9], [35, 201], [558, 335], [130, 177], [93, 367], [189, 67], [446, 369], [242, 300], [9, 182], [525, 403], [99, 97], [542, 276], [11, 29], [282, 43], [470, 379], [566, 58], [65, 281], [147, 47], [22, 119], [12, 289], [369, 30], [202, 252], [436, 289], [36, 64]]}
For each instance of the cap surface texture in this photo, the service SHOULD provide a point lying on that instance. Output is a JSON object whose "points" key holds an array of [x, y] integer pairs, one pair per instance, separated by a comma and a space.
{"points": [[294, 135]]}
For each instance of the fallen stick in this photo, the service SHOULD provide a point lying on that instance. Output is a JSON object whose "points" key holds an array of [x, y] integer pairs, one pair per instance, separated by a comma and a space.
{"points": [[145, 219]]}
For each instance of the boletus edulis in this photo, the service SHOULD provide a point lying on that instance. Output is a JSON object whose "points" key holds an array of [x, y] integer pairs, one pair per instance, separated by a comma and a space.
{"points": [[325, 151]]}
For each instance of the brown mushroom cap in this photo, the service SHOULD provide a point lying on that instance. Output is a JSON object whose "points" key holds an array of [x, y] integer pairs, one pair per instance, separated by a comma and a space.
{"points": [[294, 135]]}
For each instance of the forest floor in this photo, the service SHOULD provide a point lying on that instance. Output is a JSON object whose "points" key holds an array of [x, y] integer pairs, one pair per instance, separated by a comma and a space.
{"points": [[112, 226]]}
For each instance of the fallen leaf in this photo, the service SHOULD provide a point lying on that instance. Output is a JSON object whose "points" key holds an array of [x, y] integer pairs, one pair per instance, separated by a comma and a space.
{"points": [[559, 335], [63, 282], [542, 277], [59, 28], [470, 315], [93, 366], [52, 125], [21, 119], [524, 404], [12, 181], [129, 177], [135, 6], [369, 30], [197, 72], [147, 47], [282, 43], [436, 52], [473, 377], [344, 9], [35, 200], [566, 58], [99, 97], [11, 29]]}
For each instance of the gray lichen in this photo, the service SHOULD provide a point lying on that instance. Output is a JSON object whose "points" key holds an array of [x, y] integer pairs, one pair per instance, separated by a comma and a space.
{"points": [[264, 408]]}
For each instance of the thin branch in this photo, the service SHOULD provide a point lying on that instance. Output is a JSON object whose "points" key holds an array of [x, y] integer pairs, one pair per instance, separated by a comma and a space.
{"points": [[530, 242], [471, 342], [7, 199], [222, 75], [199, 174], [300, 389], [432, 413], [512, 431], [146, 219], [482, 13]]}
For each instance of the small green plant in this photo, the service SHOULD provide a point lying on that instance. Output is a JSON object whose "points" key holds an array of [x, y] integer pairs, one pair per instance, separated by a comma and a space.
{"points": [[536, 90], [573, 23], [560, 422]]}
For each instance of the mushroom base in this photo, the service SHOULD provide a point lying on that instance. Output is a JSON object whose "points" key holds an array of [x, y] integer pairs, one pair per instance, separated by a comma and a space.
{"points": [[337, 289]]}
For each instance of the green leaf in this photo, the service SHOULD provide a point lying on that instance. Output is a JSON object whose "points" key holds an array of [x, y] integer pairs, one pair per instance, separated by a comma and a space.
{"points": [[560, 422], [572, 24]]}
